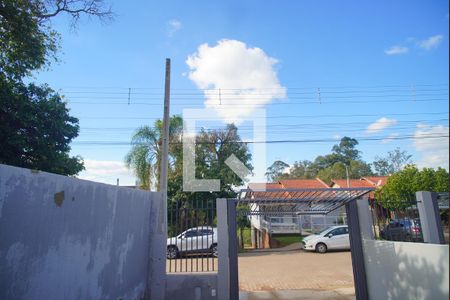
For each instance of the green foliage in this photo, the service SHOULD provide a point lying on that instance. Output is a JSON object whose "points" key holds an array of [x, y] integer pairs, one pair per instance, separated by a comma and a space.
{"points": [[212, 149], [301, 169], [346, 150], [276, 170], [35, 125], [356, 169], [331, 165], [36, 129], [145, 154], [393, 162], [287, 239], [404, 184], [26, 43]]}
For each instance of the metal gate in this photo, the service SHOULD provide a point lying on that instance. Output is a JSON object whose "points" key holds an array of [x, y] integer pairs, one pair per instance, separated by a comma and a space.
{"points": [[192, 237], [281, 202]]}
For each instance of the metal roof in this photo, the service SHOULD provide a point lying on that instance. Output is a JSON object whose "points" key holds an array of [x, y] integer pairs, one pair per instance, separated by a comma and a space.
{"points": [[296, 201]]}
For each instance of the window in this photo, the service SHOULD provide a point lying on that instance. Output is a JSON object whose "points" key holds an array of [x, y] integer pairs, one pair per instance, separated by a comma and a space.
{"points": [[191, 233], [206, 232], [339, 231]]}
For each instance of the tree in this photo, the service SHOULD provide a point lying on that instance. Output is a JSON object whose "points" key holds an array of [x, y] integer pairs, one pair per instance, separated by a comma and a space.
{"points": [[27, 40], [346, 150], [392, 163], [276, 170], [35, 125], [330, 165], [404, 184], [213, 148], [356, 169], [145, 154], [36, 129]]}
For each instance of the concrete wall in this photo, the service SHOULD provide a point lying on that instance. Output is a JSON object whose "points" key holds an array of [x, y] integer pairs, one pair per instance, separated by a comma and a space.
{"points": [[191, 286], [399, 270], [64, 238]]}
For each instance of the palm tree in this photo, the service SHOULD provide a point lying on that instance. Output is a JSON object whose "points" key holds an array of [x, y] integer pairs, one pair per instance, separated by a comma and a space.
{"points": [[145, 155]]}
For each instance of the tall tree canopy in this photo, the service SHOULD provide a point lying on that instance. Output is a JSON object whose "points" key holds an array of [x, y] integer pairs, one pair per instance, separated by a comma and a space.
{"points": [[276, 170], [145, 155], [212, 149], [35, 126], [333, 165], [393, 162], [36, 129]]}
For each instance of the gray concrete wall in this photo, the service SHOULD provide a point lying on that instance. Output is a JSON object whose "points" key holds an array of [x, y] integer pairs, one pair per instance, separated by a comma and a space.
{"points": [[399, 270], [64, 238], [191, 286]]}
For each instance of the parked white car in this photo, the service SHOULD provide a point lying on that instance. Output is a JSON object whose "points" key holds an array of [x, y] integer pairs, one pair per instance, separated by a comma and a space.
{"points": [[201, 239], [332, 238]]}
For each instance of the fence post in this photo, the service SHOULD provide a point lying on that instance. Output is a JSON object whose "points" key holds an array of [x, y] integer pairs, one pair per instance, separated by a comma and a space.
{"points": [[365, 218], [233, 249], [227, 285], [430, 220], [357, 251], [223, 242]]}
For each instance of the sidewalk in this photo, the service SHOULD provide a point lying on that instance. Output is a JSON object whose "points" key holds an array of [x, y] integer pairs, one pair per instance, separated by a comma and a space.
{"points": [[340, 294]]}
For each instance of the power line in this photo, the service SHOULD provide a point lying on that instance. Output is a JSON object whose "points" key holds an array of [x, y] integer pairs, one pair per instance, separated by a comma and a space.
{"points": [[283, 126], [284, 116], [406, 86], [226, 106], [292, 141]]}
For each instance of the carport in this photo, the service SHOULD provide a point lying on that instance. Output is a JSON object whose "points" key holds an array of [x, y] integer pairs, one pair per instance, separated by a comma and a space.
{"points": [[279, 202]]}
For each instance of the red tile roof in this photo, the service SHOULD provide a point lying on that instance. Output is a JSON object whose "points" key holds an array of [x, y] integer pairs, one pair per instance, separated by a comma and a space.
{"points": [[266, 186], [376, 180], [303, 184], [354, 183]]}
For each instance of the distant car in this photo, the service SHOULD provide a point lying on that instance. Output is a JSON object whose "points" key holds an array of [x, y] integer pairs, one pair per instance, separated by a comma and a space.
{"points": [[405, 230], [332, 238], [201, 239]]}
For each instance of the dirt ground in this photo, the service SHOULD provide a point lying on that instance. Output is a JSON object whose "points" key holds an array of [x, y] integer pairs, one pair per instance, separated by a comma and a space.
{"points": [[295, 270]]}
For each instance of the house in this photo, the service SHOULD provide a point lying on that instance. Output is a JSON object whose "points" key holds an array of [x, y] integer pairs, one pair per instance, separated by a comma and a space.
{"points": [[264, 226]]}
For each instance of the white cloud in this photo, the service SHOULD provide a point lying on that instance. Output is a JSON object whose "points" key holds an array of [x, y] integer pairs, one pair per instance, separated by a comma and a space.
{"points": [[390, 138], [245, 76], [431, 42], [380, 125], [106, 171], [173, 26], [434, 151], [396, 50]]}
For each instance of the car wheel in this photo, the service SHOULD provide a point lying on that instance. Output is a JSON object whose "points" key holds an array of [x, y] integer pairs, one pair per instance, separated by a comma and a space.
{"points": [[172, 252], [214, 251], [321, 248]]}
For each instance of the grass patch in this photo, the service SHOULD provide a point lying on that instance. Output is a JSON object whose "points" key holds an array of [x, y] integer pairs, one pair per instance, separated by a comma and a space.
{"points": [[288, 239]]}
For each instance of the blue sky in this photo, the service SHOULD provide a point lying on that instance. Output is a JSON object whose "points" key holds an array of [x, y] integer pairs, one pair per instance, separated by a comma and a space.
{"points": [[384, 61]]}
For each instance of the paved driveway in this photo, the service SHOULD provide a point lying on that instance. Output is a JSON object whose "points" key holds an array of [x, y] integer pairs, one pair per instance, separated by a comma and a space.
{"points": [[295, 270]]}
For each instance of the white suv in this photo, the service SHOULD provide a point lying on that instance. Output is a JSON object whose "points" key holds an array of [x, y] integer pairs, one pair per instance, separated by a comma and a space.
{"points": [[335, 237], [201, 239]]}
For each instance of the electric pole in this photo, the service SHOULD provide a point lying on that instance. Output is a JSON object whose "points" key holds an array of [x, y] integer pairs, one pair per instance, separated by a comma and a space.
{"points": [[165, 141]]}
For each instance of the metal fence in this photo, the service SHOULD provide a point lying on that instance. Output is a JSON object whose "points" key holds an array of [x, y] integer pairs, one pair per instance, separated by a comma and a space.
{"points": [[192, 243], [307, 224], [443, 201], [396, 218]]}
